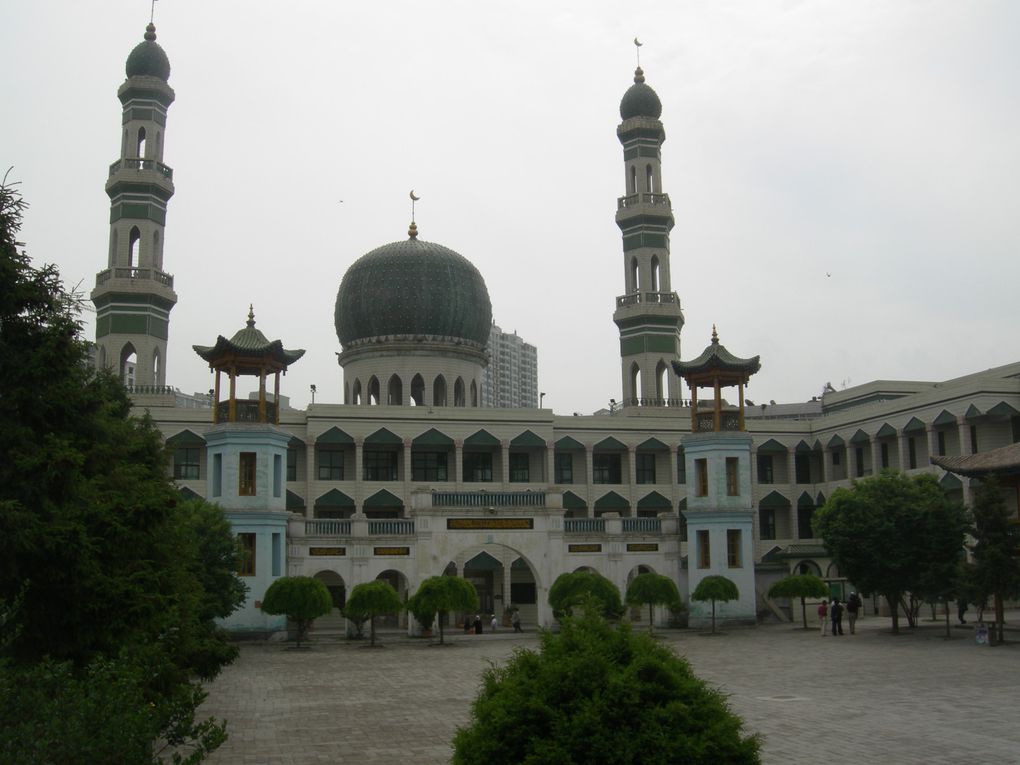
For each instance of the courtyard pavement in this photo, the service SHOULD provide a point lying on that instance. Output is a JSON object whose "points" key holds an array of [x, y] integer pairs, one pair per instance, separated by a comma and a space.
{"points": [[867, 698]]}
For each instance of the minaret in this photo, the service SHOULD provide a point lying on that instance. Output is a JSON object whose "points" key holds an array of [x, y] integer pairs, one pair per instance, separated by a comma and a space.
{"points": [[648, 313], [134, 295]]}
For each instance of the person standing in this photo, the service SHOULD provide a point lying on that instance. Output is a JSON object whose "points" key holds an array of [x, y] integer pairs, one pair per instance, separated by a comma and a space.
{"points": [[853, 605], [837, 617], [516, 621], [492, 623], [823, 616], [478, 624]]}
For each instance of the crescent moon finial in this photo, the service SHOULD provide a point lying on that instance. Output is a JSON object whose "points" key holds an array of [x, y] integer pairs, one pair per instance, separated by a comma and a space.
{"points": [[413, 197], [637, 42]]}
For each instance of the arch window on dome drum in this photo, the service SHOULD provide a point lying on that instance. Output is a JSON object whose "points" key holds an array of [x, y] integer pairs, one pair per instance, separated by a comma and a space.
{"points": [[395, 391], [140, 144], [417, 390], [439, 391], [133, 249], [458, 392], [373, 391], [356, 392]]}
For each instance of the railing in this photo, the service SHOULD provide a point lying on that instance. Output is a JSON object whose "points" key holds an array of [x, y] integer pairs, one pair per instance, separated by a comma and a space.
{"points": [[632, 200], [331, 528], [647, 298], [157, 390], [584, 525], [142, 164], [644, 525], [391, 528], [138, 274], [671, 402], [246, 411], [705, 422], [488, 499]]}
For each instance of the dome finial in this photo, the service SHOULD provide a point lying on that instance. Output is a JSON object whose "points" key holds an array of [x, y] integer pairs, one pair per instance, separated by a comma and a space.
{"points": [[251, 315], [715, 336], [637, 50], [412, 231]]}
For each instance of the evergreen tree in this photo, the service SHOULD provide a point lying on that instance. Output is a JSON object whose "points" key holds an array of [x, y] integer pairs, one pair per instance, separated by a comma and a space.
{"points": [[996, 570]]}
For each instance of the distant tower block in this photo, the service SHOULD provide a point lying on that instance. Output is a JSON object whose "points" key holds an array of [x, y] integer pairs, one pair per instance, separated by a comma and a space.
{"points": [[134, 295], [648, 314], [717, 455]]}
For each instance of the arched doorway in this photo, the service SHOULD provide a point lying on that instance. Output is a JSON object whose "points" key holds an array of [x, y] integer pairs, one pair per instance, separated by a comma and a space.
{"points": [[505, 581], [398, 582], [337, 589]]}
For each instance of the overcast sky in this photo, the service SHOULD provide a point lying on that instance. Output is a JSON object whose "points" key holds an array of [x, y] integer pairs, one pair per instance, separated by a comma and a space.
{"points": [[843, 174]]}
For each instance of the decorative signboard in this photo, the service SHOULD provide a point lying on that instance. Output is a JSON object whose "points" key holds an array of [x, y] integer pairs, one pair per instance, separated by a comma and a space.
{"points": [[642, 547], [392, 550], [490, 524], [327, 550], [584, 548]]}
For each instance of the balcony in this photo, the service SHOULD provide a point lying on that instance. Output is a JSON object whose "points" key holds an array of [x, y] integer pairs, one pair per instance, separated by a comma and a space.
{"points": [[647, 298], [142, 164], [135, 275], [488, 499], [633, 200], [360, 527]]}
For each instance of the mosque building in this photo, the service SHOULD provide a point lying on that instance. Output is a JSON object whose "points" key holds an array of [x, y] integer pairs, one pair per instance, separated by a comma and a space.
{"points": [[411, 476]]}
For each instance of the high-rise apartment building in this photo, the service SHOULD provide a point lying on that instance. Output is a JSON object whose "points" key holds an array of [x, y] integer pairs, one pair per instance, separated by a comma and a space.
{"points": [[511, 379]]}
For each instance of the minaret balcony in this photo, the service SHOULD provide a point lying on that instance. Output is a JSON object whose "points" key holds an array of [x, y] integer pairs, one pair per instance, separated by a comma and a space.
{"points": [[644, 198], [135, 275], [647, 298], [142, 164]]}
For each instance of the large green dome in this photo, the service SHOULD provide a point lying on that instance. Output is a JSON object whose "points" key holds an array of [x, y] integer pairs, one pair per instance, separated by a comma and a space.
{"points": [[413, 289], [640, 100], [148, 59]]}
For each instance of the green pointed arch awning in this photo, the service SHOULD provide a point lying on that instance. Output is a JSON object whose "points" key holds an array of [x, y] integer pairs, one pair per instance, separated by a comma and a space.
{"points": [[820, 499], [772, 446], [803, 447], [432, 437], [383, 499], [187, 494], [611, 443], [612, 501], [836, 441], [914, 425], [652, 444], [573, 502], [1002, 409], [384, 437], [484, 562], [185, 438], [332, 498], [654, 501], [569, 443], [774, 500], [481, 438], [804, 500], [945, 418], [527, 438], [972, 412], [295, 501], [860, 437], [335, 437], [886, 431]]}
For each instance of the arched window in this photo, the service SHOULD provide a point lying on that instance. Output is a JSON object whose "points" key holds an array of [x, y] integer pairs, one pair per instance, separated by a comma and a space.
{"points": [[633, 180], [458, 393], [439, 391], [655, 273], [373, 391], [660, 380], [417, 390], [635, 383], [133, 248], [633, 276], [128, 364], [356, 392], [649, 179], [140, 146], [395, 391], [155, 367], [474, 393]]}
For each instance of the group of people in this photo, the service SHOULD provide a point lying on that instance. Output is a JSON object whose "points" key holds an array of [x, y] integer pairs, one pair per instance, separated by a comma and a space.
{"points": [[475, 625], [834, 612]]}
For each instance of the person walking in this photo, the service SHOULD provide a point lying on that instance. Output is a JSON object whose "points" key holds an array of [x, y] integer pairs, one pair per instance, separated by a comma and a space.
{"points": [[837, 617], [853, 605], [823, 616], [478, 624], [492, 623], [516, 621]]}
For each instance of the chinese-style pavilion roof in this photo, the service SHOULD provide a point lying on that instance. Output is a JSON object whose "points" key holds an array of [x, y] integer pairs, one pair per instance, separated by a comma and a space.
{"points": [[1002, 461], [249, 350], [716, 360]]}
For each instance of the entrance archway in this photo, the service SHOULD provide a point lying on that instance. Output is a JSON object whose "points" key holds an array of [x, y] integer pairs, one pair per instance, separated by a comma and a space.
{"points": [[398, 582], [335, 584], [504, 580]]}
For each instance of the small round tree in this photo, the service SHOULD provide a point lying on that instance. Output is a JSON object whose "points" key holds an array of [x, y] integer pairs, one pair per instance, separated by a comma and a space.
{"points": [[372, 599], [799, 586], [440, 595], [595, 692], [571, 590], [303, 599], [715, 588], [653, 589]]}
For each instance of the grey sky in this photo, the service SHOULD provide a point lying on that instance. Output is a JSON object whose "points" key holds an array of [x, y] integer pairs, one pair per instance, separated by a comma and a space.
{"points": [[874, 141]]}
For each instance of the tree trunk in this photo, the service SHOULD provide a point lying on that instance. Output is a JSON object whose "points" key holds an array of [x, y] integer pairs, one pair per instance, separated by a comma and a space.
{"points": [[440, 617], [371, 628], [894, 606], [650, 606], [803, 611], [1000, 619], [947, 619], [713, 616]]}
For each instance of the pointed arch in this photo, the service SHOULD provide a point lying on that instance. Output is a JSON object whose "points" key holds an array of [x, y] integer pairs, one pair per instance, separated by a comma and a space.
{"points": [[649, 179], [635, 381], [157, 366], [661, 385], [140, 144], [458, 392], [632, 276], [632, 183], [439, 391], [417, 390], [128, 364], [654, 286], [373, 391], [395, 391], [159, 145], [474, 393], [356, 392], [133, 247]]}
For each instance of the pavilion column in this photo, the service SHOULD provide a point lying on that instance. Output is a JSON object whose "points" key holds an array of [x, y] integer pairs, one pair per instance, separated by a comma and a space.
{"points": [[851, 453], [232, 406], [964, 430], [694, 408], [276, 395], [718, 406], [903, 447], [216, 398], [262, 395]]}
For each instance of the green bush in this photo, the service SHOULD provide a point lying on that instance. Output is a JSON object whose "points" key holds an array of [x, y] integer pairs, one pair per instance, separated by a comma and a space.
{"points": [[597, 693]]}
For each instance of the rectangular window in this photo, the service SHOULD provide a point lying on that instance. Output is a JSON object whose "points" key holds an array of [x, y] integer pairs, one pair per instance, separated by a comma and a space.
{"points": [[767, 522], [681, 467], [859, 456], [331, 464], [429, 466], [520, 467], [804, 516], [733, 556], [765, 474], [277, 475], [836, 458], [701, 469], [292, 464], [277, 554], [606, 468], [704, 551], [973, 439], [802, 468], [732, 476], [380, 466], [217, 475], [564, 467], [246, 543], [645, 468], [478, 467], [942, 443], [884, 454], [186, 462], [246, 474], [912, 452]]}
